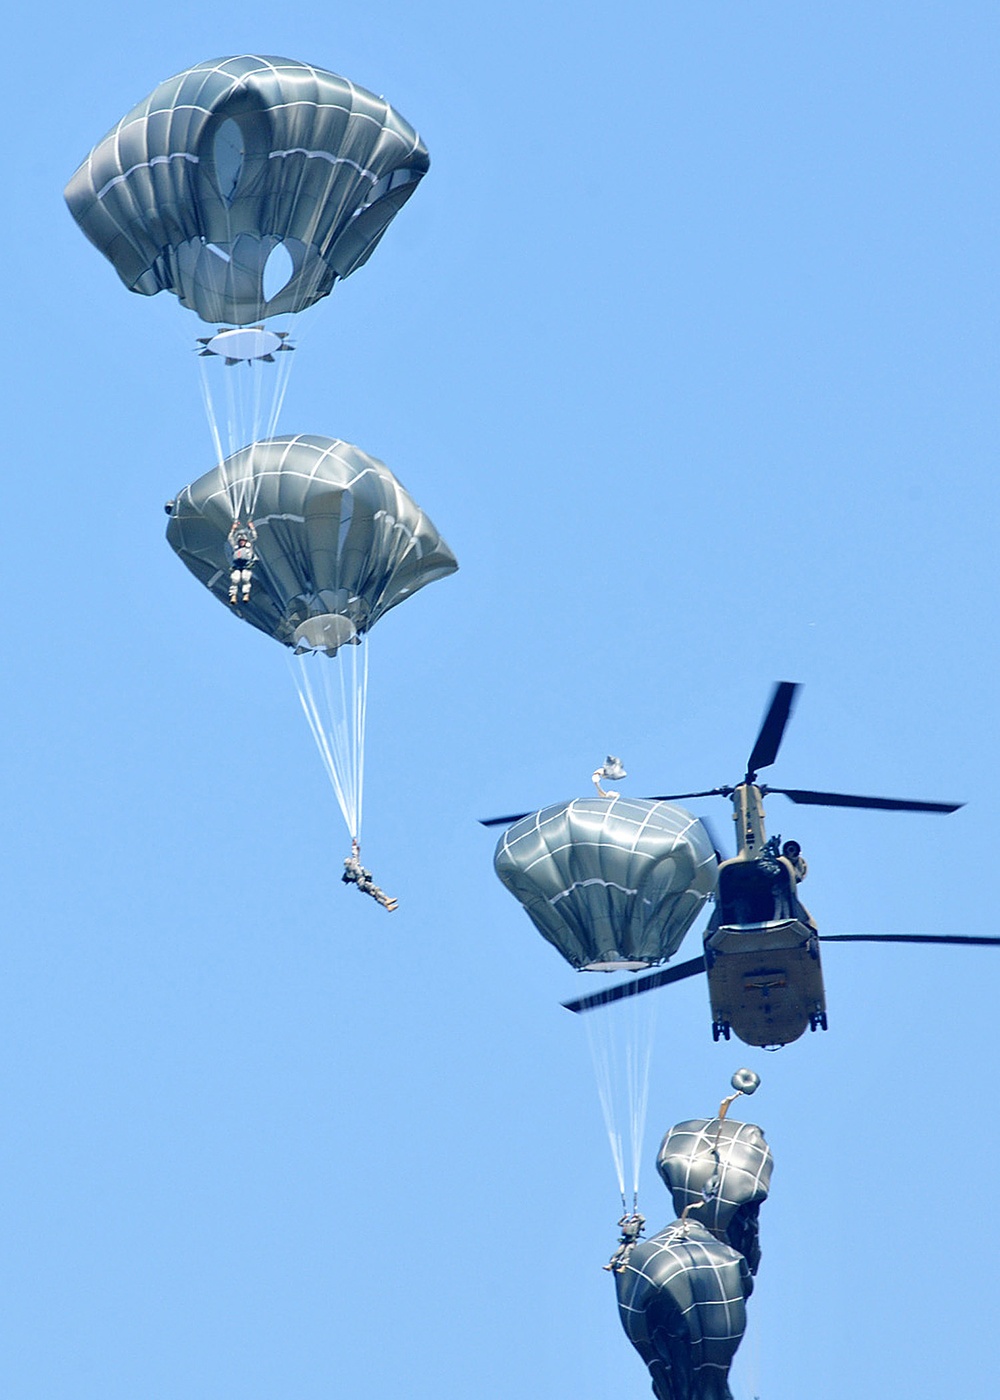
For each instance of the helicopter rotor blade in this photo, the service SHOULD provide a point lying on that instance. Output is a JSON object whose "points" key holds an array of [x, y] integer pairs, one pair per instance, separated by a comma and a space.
{"points": [[843, 799], [641, 984], [680, 796], [772, 730], [669, 797], [973, 940]]}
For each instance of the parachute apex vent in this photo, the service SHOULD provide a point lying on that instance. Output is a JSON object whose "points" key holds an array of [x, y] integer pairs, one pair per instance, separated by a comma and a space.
{"points": [[326, 632], [245, 343], [611, 963]]}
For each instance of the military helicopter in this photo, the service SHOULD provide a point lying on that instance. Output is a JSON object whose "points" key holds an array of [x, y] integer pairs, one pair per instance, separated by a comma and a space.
{"points": [[761, 945]]}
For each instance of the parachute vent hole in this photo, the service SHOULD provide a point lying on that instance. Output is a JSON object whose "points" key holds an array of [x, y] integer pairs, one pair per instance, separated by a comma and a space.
{"points": [[229, 152], [278, 271]]}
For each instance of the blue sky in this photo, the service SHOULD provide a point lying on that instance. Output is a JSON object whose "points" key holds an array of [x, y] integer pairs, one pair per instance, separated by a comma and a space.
{"points": [[688, 345]]}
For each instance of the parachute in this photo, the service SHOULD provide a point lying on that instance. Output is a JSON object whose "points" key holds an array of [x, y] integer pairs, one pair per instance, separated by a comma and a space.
{"points": [[197, 187], [682, 1304], [338, 542], [682, 1293], [613, 883], [247, 186], [718, 1173]]}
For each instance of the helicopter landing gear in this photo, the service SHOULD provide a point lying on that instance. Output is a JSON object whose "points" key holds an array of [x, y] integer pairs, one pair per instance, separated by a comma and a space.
{"points": [[720, 1030], [817, 1021]]}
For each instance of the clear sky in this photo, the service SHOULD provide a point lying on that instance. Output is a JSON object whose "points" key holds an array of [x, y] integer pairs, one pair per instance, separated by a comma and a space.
{"points": [[688, 345]]}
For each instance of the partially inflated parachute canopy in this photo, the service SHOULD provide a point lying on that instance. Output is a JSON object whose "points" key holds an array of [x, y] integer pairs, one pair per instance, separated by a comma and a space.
{"points": [[239, 162], [612, 883], [682, 1302], [338, 540], [719, 1173], [713, 1168]]}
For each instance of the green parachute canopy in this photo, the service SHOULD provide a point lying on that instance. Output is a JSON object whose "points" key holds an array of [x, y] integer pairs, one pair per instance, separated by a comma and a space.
{"points": [[682, 1302], [339, 541], [611, 882], [682, 1293], [246, 186]]}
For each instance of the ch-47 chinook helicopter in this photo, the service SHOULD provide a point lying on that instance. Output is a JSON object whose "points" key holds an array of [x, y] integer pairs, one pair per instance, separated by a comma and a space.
{"points": [[761, 945]]}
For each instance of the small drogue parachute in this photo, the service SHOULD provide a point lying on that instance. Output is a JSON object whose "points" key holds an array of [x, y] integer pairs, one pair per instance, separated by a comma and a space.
{"points": [[339, 542], [613, 883], [200, 187]]}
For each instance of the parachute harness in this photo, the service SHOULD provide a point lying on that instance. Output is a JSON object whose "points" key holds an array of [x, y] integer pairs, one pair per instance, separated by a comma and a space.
{"points": [[631, 1227], [355, 874]]}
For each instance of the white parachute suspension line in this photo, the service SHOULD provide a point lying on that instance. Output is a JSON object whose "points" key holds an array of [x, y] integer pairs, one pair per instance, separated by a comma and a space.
{"points": [[338, 719], [213, 425], [640, 1060], [284, 374], [235, 490], [256, 386], [621, 1046], [602, 1056], [361, 723], [254, 393], [232, 391], [269, 426]]}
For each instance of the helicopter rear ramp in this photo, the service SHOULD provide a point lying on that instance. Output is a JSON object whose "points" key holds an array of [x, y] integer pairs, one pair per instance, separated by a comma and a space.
{"points": [[765, 981]]}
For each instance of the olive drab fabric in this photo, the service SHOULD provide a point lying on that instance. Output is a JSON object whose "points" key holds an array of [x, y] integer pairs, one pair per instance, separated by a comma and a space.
{"points": [[682, 1302], [609, 881], [194, 190], [719, 1173], [338, 538], [682, 1293]]}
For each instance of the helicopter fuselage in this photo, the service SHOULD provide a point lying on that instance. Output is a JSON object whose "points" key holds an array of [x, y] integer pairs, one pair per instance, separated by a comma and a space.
{"points": [[765, 979], [761, 955]]}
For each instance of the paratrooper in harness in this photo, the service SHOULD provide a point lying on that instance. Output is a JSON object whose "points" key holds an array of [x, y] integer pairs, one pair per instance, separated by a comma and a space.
{"points": [[356, 874], [243, 557], [631, 1227]]}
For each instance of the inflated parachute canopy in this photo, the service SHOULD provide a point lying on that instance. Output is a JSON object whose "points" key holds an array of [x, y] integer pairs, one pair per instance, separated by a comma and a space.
{"points": [[682, 1303], [194, 190], [338, 540], [611, 882]]}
